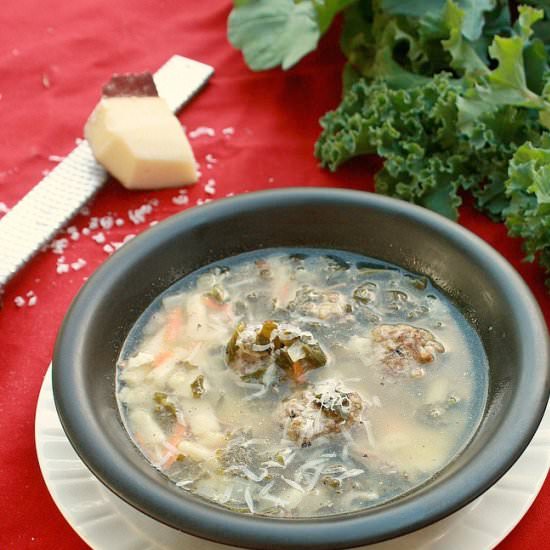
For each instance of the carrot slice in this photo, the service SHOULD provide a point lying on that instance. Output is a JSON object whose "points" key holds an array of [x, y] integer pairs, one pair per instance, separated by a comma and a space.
{"points": [[213, 304], [298, 372], [173, 325], [139, 439], [283, 293], [179, 432], [161, 358]]}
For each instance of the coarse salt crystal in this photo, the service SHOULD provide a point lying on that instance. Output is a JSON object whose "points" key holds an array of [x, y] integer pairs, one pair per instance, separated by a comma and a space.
{"points": [[61, 266], [59, 245], [210, 187], [19, 301], [94, 223], [32, 301], [108, 249], [180, 200], [210, 158], [154, 202], [230, 194], [106, 222], [138, 215], [79, 264], [75, 236], [4, 208], [84, 211], [45, 172], [202, 131], [229, 131], [55, 158], [30, 293], [119, 222], [154, 222], [86, 231], [99, 238], [71, 229]]}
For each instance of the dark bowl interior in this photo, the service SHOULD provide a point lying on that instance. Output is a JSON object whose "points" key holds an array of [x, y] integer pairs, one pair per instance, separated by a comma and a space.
{"points": [[477, 279]]}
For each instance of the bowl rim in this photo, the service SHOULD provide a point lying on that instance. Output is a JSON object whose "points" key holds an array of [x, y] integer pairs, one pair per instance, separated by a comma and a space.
{"points": [[209, 521]]}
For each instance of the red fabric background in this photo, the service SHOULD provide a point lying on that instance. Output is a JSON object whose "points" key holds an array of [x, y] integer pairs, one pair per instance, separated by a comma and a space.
{"points": [[54, 57]]}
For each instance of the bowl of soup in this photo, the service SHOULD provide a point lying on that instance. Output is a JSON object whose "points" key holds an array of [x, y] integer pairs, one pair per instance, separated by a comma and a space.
{"points": [[302, 368]]}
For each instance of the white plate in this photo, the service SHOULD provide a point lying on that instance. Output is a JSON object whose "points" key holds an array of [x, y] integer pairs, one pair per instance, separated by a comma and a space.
{"points": [[104, 521]]}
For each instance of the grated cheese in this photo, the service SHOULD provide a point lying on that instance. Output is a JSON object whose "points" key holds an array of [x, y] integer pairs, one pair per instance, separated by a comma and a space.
{"points": [[248, 499]]}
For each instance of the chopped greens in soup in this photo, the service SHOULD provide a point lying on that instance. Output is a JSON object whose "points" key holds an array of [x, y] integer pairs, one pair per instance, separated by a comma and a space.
{"points": [[301, 383]]}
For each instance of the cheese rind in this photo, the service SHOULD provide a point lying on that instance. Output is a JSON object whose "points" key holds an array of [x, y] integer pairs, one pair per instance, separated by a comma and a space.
{"points": [[141, 143], [130, 85]]}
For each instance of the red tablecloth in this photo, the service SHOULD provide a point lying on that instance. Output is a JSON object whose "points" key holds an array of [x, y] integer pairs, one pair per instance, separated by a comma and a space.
{"points": [[54, 57]]}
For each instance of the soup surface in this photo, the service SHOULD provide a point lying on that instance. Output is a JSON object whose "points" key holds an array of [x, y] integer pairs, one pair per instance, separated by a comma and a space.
{"points": [[301, 383]]}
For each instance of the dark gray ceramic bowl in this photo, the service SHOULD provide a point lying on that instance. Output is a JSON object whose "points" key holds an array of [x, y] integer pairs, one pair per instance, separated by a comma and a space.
{"points": [[478, 280]]}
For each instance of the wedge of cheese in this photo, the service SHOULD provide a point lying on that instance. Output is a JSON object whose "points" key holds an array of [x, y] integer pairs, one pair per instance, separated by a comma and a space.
{"points": [[141, 142]]}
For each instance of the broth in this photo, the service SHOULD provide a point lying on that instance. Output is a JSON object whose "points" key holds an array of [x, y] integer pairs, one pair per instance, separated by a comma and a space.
{"points": [[301, 382]]}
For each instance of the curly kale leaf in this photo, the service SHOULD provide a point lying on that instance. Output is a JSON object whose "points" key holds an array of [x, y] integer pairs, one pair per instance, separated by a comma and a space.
{"points": [[280, 32], [517, 80], [464, 57], [414, 130], [494, 139], [379, 46], [528, 189], [474, 9], [403, 51], [405, 43], [427, 159]]}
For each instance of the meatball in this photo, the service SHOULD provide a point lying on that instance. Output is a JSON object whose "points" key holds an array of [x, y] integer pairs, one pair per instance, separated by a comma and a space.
{"points": [[253, 349], [323, 409], [404, 347], [322, 304]]}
